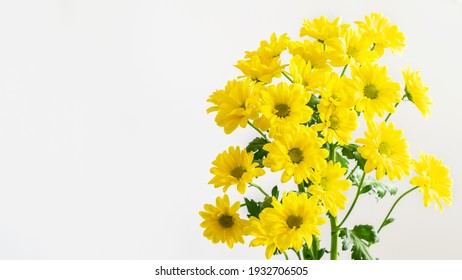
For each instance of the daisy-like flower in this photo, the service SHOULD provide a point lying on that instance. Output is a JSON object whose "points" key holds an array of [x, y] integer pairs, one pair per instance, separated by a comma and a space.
{"points": [[293, 221], [337, 123], [321, 28], [376, 92], [296, 151], [263, 237], [285, 106], [382, 33], [313, 52], [416, 91], [260, 71], [351, 47], [222, 223], [329, 187], [234, 167], [334, 92], [269, 50], [433, 180], [302, 73], [236, 104], [385, 150]]}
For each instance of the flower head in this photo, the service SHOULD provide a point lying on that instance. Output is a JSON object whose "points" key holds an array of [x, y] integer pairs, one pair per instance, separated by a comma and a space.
{"points": [[263, 236], [234, 167], [296, 151], [293, 221], [375, 91], [353, 46], [222, 223], [302, 72], [321, 28], [385, 150], [329, 187], [416, 91], [433, 180], [337, 123]]}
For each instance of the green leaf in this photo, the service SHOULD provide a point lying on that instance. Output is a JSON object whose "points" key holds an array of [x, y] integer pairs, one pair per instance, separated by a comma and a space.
{"points": [[275, 192], [256, 146], [378, 188], [253, 207], [343, 161], [359, 239], [350, 151], [388, 221]]}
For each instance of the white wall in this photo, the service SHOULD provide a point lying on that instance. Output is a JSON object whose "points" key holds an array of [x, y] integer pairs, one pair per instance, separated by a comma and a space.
{"points": [[105, 146]]}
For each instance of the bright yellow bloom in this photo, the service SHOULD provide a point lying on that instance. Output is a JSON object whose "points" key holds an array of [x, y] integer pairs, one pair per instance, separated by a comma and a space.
{"points": [[236, 104], [320, 28], [302, 73], [313, 52], [382, 33], [329, 187], [334, 92], [376, 92], [234, 167], [285, 106], [336, 123], [293, 221], [351, 47], [416, 91], [268, 50], [222, 223], [296, 151], [263, 237], [433, 180], [260, 71], [386, 150]]}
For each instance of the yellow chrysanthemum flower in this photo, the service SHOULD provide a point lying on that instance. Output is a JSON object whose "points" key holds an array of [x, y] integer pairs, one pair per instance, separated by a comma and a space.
{"points": [[321, 28], [260, 71], [351, 47], [263, 237], [382, 33], [296, 151], [385, 150], [313, 52], [334, 92], [285, 106], [234, 167], [433, 180], [268, 50], [235, 105], [329, 187], [416, 91], [337, 123], [376, 92], [302, 73], [293, 221], [222, 223]]}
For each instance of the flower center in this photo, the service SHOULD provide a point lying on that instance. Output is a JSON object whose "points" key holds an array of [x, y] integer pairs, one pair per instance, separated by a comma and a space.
{"points": [[226, 221], [294, 221], [282, 110], [385, 149], [351, 52], [296, 155], [325, 184], [334, 122], [370, 91], [238, 172]]}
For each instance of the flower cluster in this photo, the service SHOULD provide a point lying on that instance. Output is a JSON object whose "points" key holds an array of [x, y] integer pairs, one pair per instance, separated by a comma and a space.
{"points": [[305, 111]]}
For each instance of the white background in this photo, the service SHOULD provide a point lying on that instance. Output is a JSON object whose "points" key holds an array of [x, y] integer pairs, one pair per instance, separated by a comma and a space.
{"points": [[105, 145]]}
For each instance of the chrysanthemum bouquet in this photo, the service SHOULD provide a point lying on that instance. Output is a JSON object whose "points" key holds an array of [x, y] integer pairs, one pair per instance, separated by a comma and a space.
{"points": [[304, 113]]}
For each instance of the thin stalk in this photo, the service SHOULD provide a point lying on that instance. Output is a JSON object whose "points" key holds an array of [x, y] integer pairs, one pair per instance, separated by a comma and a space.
{"points": [[285, 255], [297, 253], [396, 105], [358, 192], [259, 188], [353, 170], [343, 71], [393, 207], [287, 76], [334, 238], [258, 130]]}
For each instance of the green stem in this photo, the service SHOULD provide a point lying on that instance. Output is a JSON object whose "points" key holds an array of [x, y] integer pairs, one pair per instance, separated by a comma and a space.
{"points": [[315, 247], [297, 253], [285, 255], [393, 207], [287, 76], [396, 105], [259, 131], [343, 71], [358, 192], [353, 170], [259, 188], [334, 238]]}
